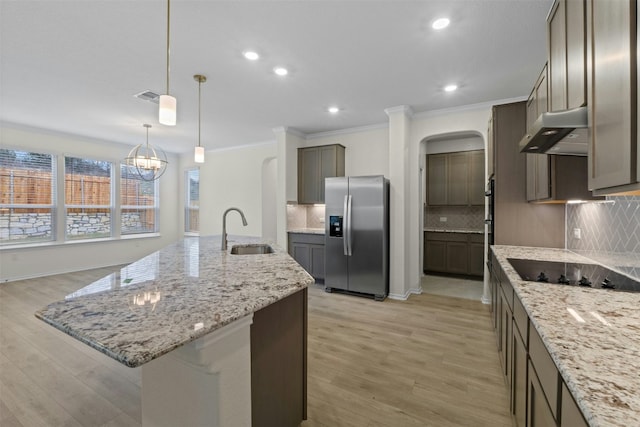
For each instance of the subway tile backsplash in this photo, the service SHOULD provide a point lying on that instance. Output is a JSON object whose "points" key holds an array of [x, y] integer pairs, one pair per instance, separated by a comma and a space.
{"points": [[457, 217], [609, 232], [305, 216]]}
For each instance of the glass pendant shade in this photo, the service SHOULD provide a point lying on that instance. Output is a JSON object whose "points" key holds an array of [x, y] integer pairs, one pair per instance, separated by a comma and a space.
{"points": [[198, 155], [167, 114]]}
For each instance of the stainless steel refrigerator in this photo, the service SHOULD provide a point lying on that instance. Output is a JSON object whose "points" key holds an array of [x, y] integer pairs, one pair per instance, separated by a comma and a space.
{"points": [[357, 235]]}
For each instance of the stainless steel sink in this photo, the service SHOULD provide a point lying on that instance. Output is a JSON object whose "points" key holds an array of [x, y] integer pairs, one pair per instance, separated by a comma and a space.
{"points": [[251, 249]]}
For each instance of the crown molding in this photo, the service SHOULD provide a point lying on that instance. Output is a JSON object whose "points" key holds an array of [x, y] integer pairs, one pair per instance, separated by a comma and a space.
{"points": [[293, 131], [241, 147], [469, 107], [404, 109], [347, 131]]}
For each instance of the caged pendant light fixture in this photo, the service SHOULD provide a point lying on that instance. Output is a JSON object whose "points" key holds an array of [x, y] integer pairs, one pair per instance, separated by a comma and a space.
{"points": [[199, 151], [147, 161], [168, 103]]}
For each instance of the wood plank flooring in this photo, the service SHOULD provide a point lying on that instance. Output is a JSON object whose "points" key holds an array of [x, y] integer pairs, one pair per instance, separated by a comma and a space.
{"points": [[429, 361]]}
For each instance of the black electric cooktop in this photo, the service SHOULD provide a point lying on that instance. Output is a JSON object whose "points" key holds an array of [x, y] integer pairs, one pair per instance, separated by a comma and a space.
{"points": [[573, 274]]}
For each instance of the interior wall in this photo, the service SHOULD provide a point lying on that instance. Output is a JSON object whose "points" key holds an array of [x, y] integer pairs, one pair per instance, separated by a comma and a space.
{"points": [[233, 178], [269, 191], [451, 145], [366, 151], [54, 258]]}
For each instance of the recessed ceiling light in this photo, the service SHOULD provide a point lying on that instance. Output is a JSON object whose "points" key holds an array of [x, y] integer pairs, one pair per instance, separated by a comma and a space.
{"points": [[450, 88], [281, 71], [440, 23], [333, 110], [251, 55]]}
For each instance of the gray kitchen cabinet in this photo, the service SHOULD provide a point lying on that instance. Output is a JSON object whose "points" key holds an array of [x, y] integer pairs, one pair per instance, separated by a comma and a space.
{"points": [[557, 38], [456, 179], [567, 54], [454, 253], [520, 330], [538, 411], [437, 179], [308, 251], [506, 335], [491, 151], [314, 165], [612, 77], [570, 415], [557, 178]]}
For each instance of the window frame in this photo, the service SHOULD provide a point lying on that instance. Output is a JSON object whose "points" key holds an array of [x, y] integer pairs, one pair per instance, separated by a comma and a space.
{"points": [[155, 207], [188, 229]]}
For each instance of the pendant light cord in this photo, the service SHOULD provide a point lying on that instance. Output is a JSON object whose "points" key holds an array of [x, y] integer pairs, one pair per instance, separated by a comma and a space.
{"points": [[199, 109], [168, 39]]}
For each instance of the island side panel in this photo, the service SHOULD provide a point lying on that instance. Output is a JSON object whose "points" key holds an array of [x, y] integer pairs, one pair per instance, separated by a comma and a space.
{"points": [[279, 363]]}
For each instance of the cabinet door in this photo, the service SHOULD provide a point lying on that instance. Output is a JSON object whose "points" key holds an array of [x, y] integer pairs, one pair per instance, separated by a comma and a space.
{"points": [[457, 257], [317, 261], [302, 254], [490, 149], [570, 416], [476, 259], [539, 414], [556, 27], [437, 179], [476, 178], [576, 54], [543, 182], [435, 256], [532, 110], [505, 337], [328, 167], [519, 380], [532, 172], [542, 93], [612, 93], [495, 299], [458, 179], [308, 175]]}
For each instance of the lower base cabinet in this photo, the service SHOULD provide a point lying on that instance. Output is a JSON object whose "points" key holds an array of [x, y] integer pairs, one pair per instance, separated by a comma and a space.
{"points": [[279, 363], [538, 395], [308, 251], [454, 253]]}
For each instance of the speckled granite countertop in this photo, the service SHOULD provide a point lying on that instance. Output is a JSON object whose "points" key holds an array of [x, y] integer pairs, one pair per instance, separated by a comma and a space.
{"points": [[454, 230], [598, 359], [307, 230], [174, 296]]}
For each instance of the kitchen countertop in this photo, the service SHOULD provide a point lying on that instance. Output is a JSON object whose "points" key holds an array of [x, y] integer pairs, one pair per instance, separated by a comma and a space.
{"points": [[599, 358], [174, 296], [453, 230], [306, 230]]}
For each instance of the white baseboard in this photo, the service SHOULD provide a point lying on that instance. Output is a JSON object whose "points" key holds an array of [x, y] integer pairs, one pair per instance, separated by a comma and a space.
{"points": [[405, 296]]}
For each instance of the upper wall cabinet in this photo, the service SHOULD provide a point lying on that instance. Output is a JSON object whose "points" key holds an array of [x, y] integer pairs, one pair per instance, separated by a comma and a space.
{"points": [[567, 54], [614, 150], [314, 165], [455, 179]]}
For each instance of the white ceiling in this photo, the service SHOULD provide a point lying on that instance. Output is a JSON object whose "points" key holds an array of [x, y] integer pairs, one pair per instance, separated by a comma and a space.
{"points": [[74, 66]]}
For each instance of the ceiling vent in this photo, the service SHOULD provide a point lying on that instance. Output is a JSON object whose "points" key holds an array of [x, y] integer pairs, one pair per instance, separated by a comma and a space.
{"points": [[147, 95]]}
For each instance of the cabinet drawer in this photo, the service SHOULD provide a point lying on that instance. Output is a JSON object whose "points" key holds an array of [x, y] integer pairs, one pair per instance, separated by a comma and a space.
{"points": [[521, 319], [315, 239], [546, 370], [445, 237], [507, 288]]}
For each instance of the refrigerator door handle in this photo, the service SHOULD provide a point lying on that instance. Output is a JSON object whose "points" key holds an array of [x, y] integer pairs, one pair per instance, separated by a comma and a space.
{"points": [[345, 229], [348, 230]]}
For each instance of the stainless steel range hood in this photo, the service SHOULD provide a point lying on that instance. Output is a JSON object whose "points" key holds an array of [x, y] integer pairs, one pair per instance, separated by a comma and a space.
{"points": [[561, 132]]}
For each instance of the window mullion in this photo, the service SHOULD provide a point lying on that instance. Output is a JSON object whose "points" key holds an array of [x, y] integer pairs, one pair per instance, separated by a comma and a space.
{"points": [[60, 211], [116, 196]]}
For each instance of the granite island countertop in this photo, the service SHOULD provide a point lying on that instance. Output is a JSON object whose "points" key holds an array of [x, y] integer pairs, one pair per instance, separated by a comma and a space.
{"points": [[174, 296], [598, 357], [306, 231]]}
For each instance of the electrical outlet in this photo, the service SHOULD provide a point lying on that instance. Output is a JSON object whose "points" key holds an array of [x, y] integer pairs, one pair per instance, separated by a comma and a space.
{"points": [[443, 219], [577, 233]]}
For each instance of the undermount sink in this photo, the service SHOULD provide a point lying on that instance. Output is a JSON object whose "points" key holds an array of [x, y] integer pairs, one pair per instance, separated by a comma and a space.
{"points": [[251, 249]]}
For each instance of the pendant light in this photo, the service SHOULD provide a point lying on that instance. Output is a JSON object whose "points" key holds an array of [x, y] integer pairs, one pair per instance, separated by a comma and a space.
{"points": [[198, 156], [146, 160], [168, 104]]}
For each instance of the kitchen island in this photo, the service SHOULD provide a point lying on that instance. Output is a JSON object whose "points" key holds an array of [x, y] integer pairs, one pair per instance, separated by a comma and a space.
{"points": [[197, 319], [591, 334]]}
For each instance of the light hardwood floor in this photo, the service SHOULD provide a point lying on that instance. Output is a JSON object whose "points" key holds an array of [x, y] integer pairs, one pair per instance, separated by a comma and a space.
{"points": [[429, 361]]}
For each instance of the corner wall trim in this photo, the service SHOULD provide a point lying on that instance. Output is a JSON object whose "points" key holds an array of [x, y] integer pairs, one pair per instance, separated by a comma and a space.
{"points": [[405, 296]]}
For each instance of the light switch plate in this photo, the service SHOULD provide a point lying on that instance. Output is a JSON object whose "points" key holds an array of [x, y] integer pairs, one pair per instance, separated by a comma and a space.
{"points": [[577, 233]]}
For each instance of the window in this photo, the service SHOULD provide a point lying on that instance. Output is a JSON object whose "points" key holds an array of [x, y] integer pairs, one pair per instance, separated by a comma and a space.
{"points": [[192, 202], [27, 196], [87, 198], [138, 202]]}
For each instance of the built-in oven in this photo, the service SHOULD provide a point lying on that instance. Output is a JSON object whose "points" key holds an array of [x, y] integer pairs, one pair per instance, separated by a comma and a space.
{"points": [[490, 195]]}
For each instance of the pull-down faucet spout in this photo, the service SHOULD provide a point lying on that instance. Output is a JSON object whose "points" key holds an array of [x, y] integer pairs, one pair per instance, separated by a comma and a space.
{"points": [[224, 225]]}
